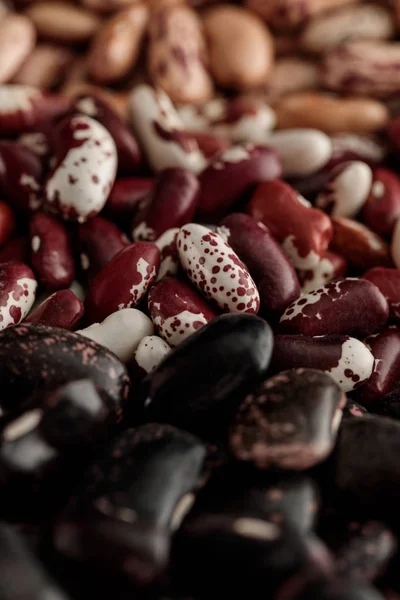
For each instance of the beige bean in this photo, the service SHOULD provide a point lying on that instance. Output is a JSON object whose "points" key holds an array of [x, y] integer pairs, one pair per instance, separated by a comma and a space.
{"points": [[63, 22], [331, 115], [292, 74], [107, 6], [363, 21], [117, 100], [4, 9], [240, 47], [77, 70], [177, 55], [116, 47], [17, 40], [44, 68]]}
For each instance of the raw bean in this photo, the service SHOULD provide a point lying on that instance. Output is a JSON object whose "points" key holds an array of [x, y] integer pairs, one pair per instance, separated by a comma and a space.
{"points": [[20, 176], [290, 422], [209, 143], [388, 282], [84, 171], [148, 355], [304, 232], [7, 223], [177, 311], [44, 67], [106, 6], [329, 310], [121, 332], [271, 270], [177, 56], [302, 151], [169, 263], [63, 22], [126, 196], [38, 143], [363, 68], [205, 400], [360, 246], [37, 358], [18, 290], [367, 21], [215, 269], [240, 47], [330, 267], [62, 309], [17, 40], [346, 190], [51, 255], [171, 203], [292, 74], [159, 130], [16, 250], [347, 360], [99, 241], [116, 47], [382, 208], [351, 146], [233, 173], [123, 282], [331, 115], [129, 154]]}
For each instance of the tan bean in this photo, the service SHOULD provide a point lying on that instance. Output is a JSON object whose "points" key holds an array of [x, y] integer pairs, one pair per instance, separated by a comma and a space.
{"points": [[77, 70], [331, 115], [4, 9], [107, 6], [17, 40], [117, 100], [44, 67], [240, 47], [292, 74], [177, 55], [364, 21], [116, 47], [63, 22]]}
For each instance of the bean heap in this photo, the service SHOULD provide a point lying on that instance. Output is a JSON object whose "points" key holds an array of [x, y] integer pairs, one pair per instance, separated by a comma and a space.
{"points": [[199, 300]]}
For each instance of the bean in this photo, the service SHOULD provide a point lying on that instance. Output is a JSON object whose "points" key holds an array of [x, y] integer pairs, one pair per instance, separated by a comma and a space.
{"points": [[361, 246], [17, 35], [61, 21], [331, 266], [347, 189], [148, 355], [21, 174], [62, 309], [382, 207], [15, 250], [126, 196], [166, 243], [44, 67], [388, 282], [18, 290]]}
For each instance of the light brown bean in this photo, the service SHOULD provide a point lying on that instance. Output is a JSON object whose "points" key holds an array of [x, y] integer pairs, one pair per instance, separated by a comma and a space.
{"points": [[331, 115], [240, 47], [17, 40], [44, 67], [107, 6], [292, 74], [63, 22], [117, 100]]}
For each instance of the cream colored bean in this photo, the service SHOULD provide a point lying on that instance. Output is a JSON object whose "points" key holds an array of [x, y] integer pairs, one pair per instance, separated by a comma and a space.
{"points": [[107, 6], [292, 74], [240, 47], [17, 40], [302, 151], [63, 22], [45, 67]]}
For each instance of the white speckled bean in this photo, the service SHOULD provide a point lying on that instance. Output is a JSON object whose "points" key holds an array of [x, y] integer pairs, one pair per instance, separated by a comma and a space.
{"points": [[17, 293], [347, 189], [150, 352]]}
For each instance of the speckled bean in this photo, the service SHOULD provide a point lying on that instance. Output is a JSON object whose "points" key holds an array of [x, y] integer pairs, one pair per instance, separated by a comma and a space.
{"points": [[7, 223], [21, 174], [331, 266], [62, 309], [169, 262], [361, 246], [388, 282], [346, 190], [126, 196], [382, 208], [18, 290], [148, 355]]}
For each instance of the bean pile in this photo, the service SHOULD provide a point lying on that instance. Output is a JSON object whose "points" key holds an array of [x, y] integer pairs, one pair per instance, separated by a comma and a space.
{"points": [[200, 300]]}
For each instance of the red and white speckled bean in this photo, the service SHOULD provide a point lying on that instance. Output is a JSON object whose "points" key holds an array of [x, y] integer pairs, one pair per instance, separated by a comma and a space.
{"points": [[362, 247], [150, 352], [388, 281], [382, 208], [18, 289], [62, 309], [302, 151], [166, 243], [85, 169], [331, 266], [215, 269], [346, 190], [21, 174]]}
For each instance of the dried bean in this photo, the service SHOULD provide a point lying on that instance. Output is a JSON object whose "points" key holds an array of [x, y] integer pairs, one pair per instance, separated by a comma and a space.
{"points": [[388, 282], [16, 250], [360, 246], [330, 267], [148, 355], [209, 144], [302, 151], [17, 40], [7, 223], [18, 290], [63, 22], [126, 196], [169, 263], [291, 74], [44, 67], [382, 208], [346, 190], [62, 309], [21, 174]]}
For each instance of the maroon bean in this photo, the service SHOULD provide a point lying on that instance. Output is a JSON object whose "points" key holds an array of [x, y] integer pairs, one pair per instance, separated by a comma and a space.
{"points": [[126, 196], [171, 203], [7, 223], [209, 143], [388, 282], [18, 288], [270, 268], [233, 173], [348, 306], [16, 250], [51, 255], [346, 190], [177, 310], [361, 247], [331, 266], [61, 309], [100, 240], [21, 175], [169, 263], [123, 281], [382, 208]]}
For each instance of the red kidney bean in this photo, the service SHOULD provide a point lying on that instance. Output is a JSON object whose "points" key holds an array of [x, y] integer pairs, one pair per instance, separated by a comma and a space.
{"points": [[62, 309], [51, 255], [393, 131], [18, 289], [166, 243], [176, 310], [84, 171], [346, 190], [353, 146], [347, 360], [99, 240], [348, 306], [16, 250], [129, 154], [382, 208], [123, 281], [126, 196], [7, 223], [214, 268], [21, 174], [149, 354], [361, 247], [25, 108], [209, 143], [291, 421], [38, 143], [388, 282], [233, 173], [331, 266], [304, 232], [268, 265], [171, 203]]}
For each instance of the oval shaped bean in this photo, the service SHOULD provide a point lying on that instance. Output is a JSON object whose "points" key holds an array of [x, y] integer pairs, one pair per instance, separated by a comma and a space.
{"points": [[16, 250], [17, 40], [209, 143], [302, 151], [44, 67], [330, 310], [169, 262], [382, 208], [7, 223], [346, 190], [21, 173], [361, 247], [63, 22], [62, 309], [331, 266], [388, 282], [268, 265], [126, 197], [216, 271], [148, 355], [18, 289], [291, 74]]}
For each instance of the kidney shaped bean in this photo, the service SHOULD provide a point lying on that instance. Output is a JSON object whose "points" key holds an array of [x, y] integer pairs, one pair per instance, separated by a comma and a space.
{"points": [[18, 289], [270, 268], [382, 208], [169, 263], [62, 309], [388, 282], [123, 281], [171, 203], [99, 241], [7, 222], [303, 231], [21, 174], [148, 355], [51, 254], [362, 247], [348, 306], [331, 266], [126, 196], [346, 190], [16, 250]]}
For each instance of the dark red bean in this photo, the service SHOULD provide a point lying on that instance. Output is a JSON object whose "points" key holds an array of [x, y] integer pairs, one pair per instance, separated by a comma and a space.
{"points": [[17, 293], [99, 240], [62, 309], [388, 282], [209, 143], [126, 196], [361, 246], [331, 266], [21, 174], [7, 223], [16, 250], [382, 208]]}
